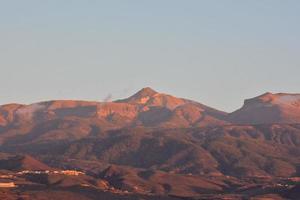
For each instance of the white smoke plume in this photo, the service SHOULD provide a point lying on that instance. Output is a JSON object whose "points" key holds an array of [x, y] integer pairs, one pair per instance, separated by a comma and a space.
{"points": [[108, 98]]}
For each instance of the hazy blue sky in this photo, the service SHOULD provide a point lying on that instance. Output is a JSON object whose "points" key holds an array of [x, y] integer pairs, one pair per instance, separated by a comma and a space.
{"points": [[216, 52]]}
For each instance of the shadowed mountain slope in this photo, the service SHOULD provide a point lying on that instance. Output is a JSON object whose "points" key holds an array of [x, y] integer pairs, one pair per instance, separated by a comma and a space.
{"points": [[261, 150]]}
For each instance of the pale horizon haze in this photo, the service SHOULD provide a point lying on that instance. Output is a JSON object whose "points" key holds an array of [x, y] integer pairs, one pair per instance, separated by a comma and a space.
{"points": [[214, 52]]}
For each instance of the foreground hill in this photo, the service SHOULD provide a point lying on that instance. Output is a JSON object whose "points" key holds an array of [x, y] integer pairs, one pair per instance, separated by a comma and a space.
{"points": [[20, 163], [125, 182]]}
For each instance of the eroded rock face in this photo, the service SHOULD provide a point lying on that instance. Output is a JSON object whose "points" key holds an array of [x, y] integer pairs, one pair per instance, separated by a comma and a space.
{"points": [[7, 113]]}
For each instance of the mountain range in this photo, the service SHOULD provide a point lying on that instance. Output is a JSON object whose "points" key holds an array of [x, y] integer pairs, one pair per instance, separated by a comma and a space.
{"points": [[148, 108], [164, 145]]}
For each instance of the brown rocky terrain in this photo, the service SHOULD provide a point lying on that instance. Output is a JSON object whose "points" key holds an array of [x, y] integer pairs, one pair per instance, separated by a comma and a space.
{"points": [[153, 146]]}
